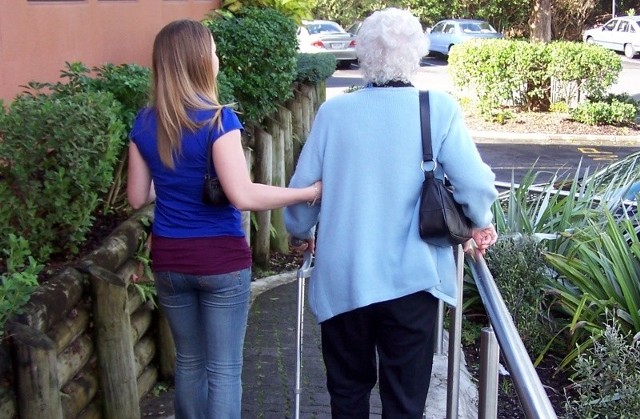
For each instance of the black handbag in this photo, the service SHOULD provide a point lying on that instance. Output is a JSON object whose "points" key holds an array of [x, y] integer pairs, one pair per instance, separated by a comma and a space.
{"points": [[212, 193], [442, 221]]}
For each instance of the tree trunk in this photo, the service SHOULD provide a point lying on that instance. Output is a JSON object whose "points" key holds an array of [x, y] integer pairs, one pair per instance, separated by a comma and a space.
{"points": [[540, 22]]}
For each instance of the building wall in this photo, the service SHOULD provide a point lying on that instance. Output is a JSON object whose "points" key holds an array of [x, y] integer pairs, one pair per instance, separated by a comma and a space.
{"points": [[37, 37]]}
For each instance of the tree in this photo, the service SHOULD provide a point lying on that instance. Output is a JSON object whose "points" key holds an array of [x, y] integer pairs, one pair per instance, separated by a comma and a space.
{"points": [[540, 22]]}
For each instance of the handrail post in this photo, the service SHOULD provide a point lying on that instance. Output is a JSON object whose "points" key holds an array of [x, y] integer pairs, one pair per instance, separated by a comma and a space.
{"points": [[438, 341], [455, 341], [489, 358]]}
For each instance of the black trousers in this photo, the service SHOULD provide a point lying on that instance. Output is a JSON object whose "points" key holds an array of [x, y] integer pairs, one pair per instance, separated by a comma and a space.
{"points": [[402, 332]]}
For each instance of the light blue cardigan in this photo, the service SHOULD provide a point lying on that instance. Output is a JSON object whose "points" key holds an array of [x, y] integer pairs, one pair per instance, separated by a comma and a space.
{"points": [[366, 147]]}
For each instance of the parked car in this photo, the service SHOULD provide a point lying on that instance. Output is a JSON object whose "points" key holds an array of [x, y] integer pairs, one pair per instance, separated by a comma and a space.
{"points": [[450, 32], [326, 36], [619, 34]]}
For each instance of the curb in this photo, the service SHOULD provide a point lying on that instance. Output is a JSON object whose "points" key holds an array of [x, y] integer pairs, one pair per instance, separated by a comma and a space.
{"points": [[488, 137]]}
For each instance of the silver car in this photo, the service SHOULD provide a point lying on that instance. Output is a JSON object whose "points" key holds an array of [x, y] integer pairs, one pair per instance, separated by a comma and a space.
{"points": [[450, 32], [619, 34], [326, 36]]}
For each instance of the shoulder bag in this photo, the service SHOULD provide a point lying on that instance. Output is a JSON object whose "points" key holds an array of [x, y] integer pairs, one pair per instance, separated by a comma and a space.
{"points": [[442, 221], [212, 193]]}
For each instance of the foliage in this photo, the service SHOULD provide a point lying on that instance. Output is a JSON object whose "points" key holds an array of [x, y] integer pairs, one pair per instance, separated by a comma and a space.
{"points": [[58, 153], [130, 86], [518, 266], [257, 51], [519, 74], [598, 271], [19, 281], [315, 68], [607, 377], [501, 13], [297, 10], [603, 113], [569, 18]]}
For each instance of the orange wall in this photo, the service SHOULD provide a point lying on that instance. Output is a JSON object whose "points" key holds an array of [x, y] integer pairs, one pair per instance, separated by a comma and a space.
{"points": [[37, 37]]}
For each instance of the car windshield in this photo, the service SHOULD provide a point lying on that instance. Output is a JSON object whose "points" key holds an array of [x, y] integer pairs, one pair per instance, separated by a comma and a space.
{"points": [[477, 27], [316, 28]]}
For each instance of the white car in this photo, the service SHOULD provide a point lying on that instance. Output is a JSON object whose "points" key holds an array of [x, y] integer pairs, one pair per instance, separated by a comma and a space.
{"points": [[619, 34], [326, 36]]}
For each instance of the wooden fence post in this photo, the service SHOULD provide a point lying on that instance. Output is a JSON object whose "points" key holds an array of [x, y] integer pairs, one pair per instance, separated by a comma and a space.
{"points": [[112, 323], [264, 174], [37, 373]]}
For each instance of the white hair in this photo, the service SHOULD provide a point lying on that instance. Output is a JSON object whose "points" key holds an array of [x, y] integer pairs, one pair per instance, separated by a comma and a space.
{"points": [[390, 45]]}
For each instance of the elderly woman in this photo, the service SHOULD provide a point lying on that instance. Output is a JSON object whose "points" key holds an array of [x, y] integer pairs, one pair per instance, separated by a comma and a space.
{"points": [[376, 284]]}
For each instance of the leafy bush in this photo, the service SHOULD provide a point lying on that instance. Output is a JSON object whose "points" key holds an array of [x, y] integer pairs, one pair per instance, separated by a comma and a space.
{"points": [[58, 154], [520, 74], [607, 377], [315, 68], [603, 113], [521, 274], [257, 51], [19, 281]]}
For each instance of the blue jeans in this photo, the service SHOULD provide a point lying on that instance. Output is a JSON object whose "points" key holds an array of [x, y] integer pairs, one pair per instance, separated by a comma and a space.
{"points": [[208, 319]]}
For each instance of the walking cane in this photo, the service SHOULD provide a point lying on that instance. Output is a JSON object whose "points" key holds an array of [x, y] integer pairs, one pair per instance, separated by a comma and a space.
{"points": [[303, 273]]}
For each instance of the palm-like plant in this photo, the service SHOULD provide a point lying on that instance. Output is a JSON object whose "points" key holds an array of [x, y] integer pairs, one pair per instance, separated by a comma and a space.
{"points": [[598, 272]]}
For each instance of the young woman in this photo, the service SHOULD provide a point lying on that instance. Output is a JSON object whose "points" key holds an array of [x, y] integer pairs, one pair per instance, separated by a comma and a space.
{"points": [[200, 257]]}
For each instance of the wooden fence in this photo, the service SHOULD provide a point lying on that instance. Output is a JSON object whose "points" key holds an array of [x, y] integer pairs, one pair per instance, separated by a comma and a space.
{"points": [[87, 345]]}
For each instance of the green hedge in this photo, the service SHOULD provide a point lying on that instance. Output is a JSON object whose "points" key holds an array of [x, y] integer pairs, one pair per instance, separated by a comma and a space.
{"points": [[519, 74], [257, 51]]}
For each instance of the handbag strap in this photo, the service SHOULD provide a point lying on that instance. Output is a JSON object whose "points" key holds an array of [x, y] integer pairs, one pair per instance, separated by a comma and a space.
{"points": [[425, 126]]}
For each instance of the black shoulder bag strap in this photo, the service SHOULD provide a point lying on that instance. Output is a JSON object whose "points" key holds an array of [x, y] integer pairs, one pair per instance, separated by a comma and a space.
{"points": [[425, 125]]}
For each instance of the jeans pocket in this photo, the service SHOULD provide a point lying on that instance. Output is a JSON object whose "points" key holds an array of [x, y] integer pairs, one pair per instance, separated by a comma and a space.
{"points": [[232, 283]]}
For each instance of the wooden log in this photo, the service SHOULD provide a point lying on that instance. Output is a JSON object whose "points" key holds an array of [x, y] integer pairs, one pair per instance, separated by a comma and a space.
{"points": [[115, 347], [36, 371], [134, 299], [140, 322], [166, 348], [307, 110], [246, 215], [51, 301], [8, 404], [147, 380], [278, 178], [70, 328], [298, 137], [122, 243], [93, 411], [286, 125], [74, 358], [144, 352], [263, 174], [321, 93], [79, 392]]}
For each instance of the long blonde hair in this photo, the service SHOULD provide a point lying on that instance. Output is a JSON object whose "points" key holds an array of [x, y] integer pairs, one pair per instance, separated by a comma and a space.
{"points": [[184, 79]]}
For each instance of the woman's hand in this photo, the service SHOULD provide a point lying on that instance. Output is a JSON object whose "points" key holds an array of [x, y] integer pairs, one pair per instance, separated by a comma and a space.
{"points": [[483, 238]]}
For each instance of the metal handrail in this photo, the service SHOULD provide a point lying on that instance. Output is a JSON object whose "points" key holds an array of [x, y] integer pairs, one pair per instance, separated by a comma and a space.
{"points": [[533, 398]]}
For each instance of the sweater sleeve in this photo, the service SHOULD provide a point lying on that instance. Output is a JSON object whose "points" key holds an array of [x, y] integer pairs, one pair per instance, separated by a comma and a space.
{"points": [[472, 179], [300, 219]]}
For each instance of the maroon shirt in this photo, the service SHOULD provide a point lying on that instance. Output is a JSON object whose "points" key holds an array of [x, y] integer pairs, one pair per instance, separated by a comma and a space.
{"points": [[201, 255]]}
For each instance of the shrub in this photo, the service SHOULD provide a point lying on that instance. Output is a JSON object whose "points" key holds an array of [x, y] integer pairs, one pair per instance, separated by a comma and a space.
{"points": [[603, 113], [57, 156], [257, 51], [606, 383], [315, 68], [519, 269], [19, 281]]}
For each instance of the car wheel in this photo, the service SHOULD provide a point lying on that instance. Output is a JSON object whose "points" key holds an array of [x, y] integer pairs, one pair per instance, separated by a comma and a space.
{"points": [[343, 65], [589, 40], [629, 51]]}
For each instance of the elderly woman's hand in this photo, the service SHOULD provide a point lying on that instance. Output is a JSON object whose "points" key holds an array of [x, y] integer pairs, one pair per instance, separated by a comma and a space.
{"points": [[483, 238], [299, 246]]}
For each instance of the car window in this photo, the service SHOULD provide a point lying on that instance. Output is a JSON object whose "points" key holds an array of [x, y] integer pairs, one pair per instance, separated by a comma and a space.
{"points": [[316, 28], [623, 26], [438, 28], [632, 29], [449, 28], [610, 25]]}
